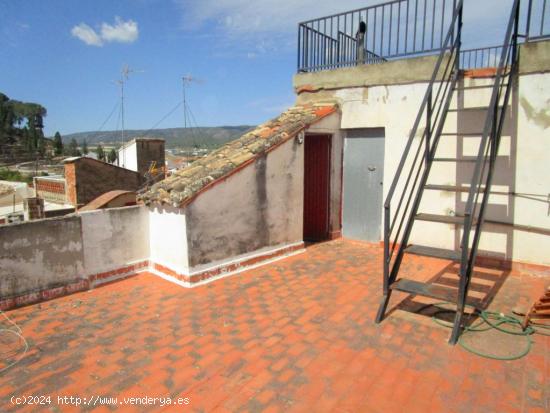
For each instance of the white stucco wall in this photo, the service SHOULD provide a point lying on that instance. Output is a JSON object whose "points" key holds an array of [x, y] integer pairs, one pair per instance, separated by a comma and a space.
{"points": [[168, 238], [127, 156], [521, 168], [115, 237], [532, 200]]}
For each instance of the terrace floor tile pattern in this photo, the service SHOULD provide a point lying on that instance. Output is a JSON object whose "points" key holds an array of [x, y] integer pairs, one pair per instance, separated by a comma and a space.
{"points": [[294, 335]]}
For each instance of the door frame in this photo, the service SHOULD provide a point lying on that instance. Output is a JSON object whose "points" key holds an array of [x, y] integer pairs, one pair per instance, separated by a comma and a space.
{"points": [[327, 230]]}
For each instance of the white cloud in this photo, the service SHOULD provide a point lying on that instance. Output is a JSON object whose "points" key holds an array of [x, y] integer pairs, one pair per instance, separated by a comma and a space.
{"points": [[264, 26], [121, 32], [260, 16], [86, 34]]}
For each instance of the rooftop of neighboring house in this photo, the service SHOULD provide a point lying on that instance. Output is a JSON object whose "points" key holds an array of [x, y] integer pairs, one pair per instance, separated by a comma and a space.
{"points": [[135, 140], [74, 159], [183, 185], [6, 189], [296, 335], [103, 200]]}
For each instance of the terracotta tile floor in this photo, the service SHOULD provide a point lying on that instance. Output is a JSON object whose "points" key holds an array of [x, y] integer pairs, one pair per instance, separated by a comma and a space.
{"points": [[296, 335]]}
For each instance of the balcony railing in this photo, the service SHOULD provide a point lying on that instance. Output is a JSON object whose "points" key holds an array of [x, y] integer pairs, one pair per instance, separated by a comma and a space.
{"points": [[399, 29], [480, 58], [374, 34], [538, 20]]}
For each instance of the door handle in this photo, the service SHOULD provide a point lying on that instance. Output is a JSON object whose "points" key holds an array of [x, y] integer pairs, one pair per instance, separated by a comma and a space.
{"points": [[371, 168]]}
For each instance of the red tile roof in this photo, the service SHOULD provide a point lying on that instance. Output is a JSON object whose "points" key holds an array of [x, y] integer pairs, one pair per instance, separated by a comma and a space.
{"points": [[184, 185], [103, 200]]}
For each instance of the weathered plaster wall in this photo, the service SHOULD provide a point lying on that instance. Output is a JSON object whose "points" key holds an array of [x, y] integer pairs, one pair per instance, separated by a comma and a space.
{"points": [[521, 181], [45, 254], [114, 237], [398, 72], [168, 238], [259, 206], [40, 254]]}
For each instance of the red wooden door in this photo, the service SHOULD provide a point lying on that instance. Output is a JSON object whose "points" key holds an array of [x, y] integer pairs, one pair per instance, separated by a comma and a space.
{"points": [[316, 187]]}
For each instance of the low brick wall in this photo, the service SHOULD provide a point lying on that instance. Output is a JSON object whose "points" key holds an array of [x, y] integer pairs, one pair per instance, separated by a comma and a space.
{"points": [[87, 178]]}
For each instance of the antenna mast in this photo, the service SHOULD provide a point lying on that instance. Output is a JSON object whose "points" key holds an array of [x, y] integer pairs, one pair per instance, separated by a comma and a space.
{"points": [[187, 80], [124, 75]]}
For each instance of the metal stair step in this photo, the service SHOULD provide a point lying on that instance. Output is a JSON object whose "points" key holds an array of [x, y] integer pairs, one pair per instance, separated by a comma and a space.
{"points": [[450, 188], [472, 160], [439, 292], [444, 219], [472, 108], [467, 134], [433, 252], [426, 290]]}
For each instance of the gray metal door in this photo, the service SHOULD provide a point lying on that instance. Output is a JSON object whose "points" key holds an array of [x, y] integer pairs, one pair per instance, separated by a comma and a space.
{"points": [[363, 178]]}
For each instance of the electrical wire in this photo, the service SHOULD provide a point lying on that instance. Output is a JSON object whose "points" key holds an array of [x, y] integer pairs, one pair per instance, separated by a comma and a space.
{"points": [[108, 117], [163, 118], [18, 333]]}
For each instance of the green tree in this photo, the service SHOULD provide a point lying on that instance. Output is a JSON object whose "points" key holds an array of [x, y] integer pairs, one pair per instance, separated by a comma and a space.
{"points": [[23, 122], [100, 152], [6, 119], [57, 144], [84, 147], [112, 157]]}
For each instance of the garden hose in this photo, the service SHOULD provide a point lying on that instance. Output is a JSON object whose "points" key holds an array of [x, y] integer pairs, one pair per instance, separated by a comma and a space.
{"points": [[490, 320]]}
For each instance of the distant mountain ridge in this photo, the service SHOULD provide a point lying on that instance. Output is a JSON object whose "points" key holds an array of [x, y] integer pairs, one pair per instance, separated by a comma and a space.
{"points": [[209, 137]]}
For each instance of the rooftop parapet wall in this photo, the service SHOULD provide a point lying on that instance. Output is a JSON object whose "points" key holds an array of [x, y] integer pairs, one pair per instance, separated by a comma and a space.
{"points": [[317, 86], [39, 255], [534, 57], [46, 258], [396, 72]]}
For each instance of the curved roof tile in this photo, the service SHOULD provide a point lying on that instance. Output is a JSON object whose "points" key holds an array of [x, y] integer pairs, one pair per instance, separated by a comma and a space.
{"points": [[182, 186]]}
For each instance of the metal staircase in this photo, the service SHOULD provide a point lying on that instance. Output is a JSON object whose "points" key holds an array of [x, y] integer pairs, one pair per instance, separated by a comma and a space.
{"points": [[420, 157]]}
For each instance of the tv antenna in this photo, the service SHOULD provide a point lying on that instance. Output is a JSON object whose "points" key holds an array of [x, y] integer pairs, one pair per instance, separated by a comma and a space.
{"points": [[124, 76], [187, 80]]}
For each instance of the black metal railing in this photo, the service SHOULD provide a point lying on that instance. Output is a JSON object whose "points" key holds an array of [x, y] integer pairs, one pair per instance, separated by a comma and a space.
{"points": [[416, 161], [538, 20], [480, 187], [480, 58], [374, 34]]}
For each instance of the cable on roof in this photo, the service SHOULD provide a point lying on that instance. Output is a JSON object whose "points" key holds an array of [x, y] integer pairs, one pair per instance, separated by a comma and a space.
{"points": [[16, 331]]}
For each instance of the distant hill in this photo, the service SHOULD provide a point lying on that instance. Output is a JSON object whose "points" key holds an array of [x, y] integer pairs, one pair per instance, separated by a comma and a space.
{"points": [[204, 137]]}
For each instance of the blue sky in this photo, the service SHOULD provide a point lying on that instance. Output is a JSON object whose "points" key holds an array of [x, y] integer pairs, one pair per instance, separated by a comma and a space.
{"points": [[65, 54]]}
